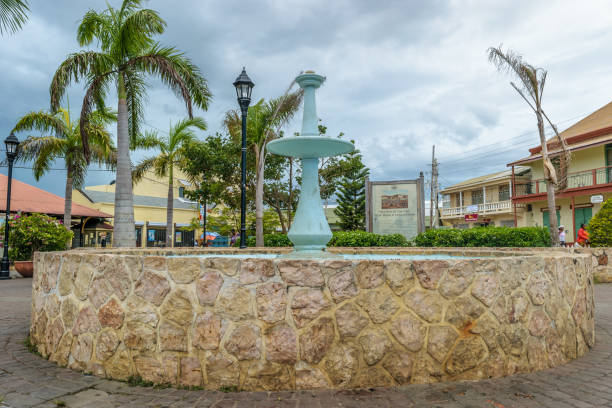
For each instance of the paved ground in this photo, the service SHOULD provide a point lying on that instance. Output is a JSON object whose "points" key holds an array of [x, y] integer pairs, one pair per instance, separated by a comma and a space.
{"points": [[29, 381]]}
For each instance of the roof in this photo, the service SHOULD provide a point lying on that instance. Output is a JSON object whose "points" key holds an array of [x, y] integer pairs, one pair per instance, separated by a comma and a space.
{"points": [[489, 178], [593, 130], [29, 199], [109, 197]]}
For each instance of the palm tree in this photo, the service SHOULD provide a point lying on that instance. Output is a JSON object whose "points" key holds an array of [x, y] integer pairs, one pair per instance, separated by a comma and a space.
{"points": [[264, 123], [531, 88], [127, 54], [61, 139], [171, 154], [13, 15]]}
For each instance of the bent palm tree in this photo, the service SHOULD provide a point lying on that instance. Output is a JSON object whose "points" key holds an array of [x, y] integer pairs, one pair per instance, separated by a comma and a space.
{"points": [[171, 154], [13, 15], [61, 139], [264, 123], [531, 88], [127, 54]]}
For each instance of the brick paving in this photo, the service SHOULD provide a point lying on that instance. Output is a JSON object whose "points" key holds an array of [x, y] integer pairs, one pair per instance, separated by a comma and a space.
{"points": [[30, 381]]}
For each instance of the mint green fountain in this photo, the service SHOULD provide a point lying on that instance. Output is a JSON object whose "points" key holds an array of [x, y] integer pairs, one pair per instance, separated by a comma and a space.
{"points": [[310, 231]]}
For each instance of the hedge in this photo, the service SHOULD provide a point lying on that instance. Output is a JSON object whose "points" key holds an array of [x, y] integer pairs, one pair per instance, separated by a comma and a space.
{"points": [[485, 237], [339, 239], [600, 226]]}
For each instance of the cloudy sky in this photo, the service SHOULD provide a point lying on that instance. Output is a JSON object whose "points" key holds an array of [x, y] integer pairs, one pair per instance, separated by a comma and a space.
{"points": [[401, 75]]}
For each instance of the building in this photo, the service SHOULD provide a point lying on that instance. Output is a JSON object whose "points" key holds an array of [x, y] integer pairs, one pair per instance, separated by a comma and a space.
{"points": [[482, 201], [150, 203], [89, 225], [589, 180]]}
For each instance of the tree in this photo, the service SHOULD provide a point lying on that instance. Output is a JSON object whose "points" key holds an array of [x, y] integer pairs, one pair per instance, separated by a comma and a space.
{"points": [[531, 88], [127, 54], [61, 139], [264, 123], [600, 226], [351, 193], [172, 150], [13, 15], [210, 166]]}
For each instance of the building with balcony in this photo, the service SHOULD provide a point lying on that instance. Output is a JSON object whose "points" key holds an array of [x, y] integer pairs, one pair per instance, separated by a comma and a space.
{"points": [[589, 180], [482, 201]]}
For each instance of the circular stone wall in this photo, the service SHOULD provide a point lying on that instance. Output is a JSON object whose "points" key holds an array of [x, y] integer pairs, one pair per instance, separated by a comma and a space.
{"points": [[269, 324]]}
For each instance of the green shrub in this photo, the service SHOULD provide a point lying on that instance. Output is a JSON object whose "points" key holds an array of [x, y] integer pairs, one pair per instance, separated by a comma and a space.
{"points": [[600, 226], [36, 232], [485, 237], [339, 239]]}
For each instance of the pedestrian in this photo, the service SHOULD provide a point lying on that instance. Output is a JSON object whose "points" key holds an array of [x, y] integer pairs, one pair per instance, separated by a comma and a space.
{"points": [[583, 236], [234, 237], [562, 235]]}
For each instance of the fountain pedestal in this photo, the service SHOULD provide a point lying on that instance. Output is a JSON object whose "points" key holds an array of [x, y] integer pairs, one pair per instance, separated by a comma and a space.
{"points": [[310, 230]]}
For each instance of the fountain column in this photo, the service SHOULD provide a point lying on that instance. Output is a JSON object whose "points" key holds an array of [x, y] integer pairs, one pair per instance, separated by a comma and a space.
{"points": [[310, 231]]}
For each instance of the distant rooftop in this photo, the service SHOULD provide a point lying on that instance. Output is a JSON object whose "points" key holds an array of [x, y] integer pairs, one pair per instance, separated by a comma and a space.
{"points": [[109, 197], [518, 170]]}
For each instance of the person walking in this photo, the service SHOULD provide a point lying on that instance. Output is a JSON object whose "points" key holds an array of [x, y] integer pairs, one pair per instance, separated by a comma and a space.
{"points": [[234, 237], [561, 236], [583, 236]]}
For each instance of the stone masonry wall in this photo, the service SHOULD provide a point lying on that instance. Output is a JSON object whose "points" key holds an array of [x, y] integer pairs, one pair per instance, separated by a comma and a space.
{"points": [[270, 324]]}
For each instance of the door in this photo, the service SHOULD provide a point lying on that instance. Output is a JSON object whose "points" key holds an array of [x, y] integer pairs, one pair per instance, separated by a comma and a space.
{"points": [[545, 220], [609, 163], [582, 216]]}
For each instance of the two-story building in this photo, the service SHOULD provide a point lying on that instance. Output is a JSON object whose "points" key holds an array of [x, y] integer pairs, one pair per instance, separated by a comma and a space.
{"points": [[150, 201], [481, 201], [589, 180]]}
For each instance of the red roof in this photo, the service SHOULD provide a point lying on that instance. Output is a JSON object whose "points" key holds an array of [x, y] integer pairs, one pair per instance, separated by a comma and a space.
{"points": [[29, 199]]}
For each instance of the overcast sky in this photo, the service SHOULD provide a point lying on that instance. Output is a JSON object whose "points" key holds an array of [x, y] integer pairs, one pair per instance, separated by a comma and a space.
{"points": [[401, 75]]}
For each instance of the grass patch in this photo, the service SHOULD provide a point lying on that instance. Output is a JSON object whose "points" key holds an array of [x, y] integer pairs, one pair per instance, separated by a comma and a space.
{"points": [[31, 346], [229, 388], [138, 381], [60, 403], [190, 387]]}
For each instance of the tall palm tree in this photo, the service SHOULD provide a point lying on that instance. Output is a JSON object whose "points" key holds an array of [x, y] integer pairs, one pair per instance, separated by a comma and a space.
{"points": [[264, 123], [127, 54], [171, 154], [13, 15], [531, 89], [61, 139]]}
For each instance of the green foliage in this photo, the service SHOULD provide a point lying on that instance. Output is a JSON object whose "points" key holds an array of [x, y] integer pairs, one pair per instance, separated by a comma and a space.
{"points": [[37, 232], [229, 388], [600, 226], [13, 15], [366, 239], [351, 194], [485, 237], [270, 240], [27, 342]]}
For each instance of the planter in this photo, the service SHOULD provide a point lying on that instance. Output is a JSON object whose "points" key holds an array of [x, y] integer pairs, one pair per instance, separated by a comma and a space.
{"points": [[25, 268]]}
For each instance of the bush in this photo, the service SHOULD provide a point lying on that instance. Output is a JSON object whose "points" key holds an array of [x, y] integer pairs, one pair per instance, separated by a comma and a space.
{"points": [[37, 232], [485, 237], [600, 226], [339, 239]]}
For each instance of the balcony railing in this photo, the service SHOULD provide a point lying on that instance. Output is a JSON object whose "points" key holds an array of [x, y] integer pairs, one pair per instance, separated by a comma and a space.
{"points": [[579, 179], [487, 208]]}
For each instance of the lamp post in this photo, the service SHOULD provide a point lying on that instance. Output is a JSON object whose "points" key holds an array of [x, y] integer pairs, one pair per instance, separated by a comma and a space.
{"points": [[244, 86], [11, 143]]}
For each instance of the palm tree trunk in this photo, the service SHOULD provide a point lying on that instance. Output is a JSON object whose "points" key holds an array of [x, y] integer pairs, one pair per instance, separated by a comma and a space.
{"points": [[259, 191], [68, 200], [170, 209], [550, 187], [124, 232]]}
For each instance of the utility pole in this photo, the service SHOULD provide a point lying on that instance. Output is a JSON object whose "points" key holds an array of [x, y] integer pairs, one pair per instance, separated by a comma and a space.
{"points": [[433, 196]]}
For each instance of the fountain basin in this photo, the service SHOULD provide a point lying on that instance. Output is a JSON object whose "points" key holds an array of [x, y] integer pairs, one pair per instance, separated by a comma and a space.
{"points": [[213, 318], [309, 147]]}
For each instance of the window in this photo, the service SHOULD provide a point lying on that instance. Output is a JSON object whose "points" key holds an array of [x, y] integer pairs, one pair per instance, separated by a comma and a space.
{"points": [[182, 192], [446, 201], [476, 197], [504, 193]]}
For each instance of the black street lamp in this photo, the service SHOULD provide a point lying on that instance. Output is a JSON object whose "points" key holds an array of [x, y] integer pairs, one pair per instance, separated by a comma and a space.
{"points": [[11, 143], [244, 86]]}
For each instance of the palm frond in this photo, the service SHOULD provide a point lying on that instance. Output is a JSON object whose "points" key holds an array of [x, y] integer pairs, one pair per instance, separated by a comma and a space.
{"points": [[136, 31], [77, 66], [136, 98], [43, 150], [95, 25], [148, 140], [139, 171], [96, 92], [43, 122], [13, 15], [183, 127]]}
